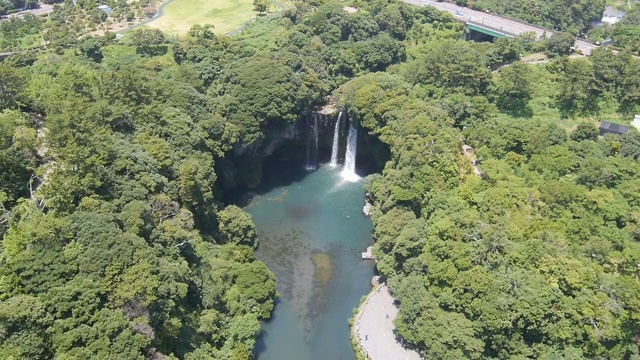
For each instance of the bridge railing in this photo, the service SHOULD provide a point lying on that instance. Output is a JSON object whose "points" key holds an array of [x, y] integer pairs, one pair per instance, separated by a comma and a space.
{"points": [[491, 28], [549, 31], [504, 16]]}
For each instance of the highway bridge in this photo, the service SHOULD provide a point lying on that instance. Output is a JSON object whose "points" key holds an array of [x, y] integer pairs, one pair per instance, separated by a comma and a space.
{"points": [[495, 25]]}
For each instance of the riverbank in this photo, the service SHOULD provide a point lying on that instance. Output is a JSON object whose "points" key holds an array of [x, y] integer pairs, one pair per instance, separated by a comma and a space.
{"points": [[373, 329]]}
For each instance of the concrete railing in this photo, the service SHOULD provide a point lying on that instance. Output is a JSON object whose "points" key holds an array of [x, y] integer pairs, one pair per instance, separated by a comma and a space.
{"points": [[490, 28]]}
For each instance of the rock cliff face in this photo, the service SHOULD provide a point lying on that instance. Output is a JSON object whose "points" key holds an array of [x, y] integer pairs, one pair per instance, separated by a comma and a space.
{"points": [[295, 132], [368, 205], [289, 145]]}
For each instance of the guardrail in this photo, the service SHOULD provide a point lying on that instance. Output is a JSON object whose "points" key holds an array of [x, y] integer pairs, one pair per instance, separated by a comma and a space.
{"points": [[491, 28], [520, 21]]}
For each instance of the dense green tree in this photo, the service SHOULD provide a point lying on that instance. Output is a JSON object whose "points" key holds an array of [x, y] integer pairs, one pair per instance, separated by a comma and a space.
{"points": [[91, 49], [148, 41], [573, 16], [578, 88], [11, 87], [559, 44], [514, 88], [630, 144], [23, 319], [236, 227], [454, 66], [260, 91], [584, 132], [18, 157], [261, 6], [625, 33], [116, 242]]}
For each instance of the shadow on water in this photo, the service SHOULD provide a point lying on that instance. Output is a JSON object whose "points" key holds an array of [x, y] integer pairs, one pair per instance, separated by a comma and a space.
{"points": [[261, 344], [275, 173], [301, 211]]}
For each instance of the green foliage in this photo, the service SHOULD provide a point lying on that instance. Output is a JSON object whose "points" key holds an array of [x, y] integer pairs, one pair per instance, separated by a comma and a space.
{"points": [[625, 33], [148, 42], [451, 66], [18, 157], [260, 92], [103, 243], [572, 16], [578, 91], [524, 257], [91, 49], [116, 158], [15, 32], [12, 84], [585, 132], [236, 227], [514, 89], [261, 6], [559, 44], [22, 320]]}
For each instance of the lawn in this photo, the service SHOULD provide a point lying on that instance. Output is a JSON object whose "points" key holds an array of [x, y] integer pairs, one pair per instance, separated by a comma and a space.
{"points": [[225, 15]]}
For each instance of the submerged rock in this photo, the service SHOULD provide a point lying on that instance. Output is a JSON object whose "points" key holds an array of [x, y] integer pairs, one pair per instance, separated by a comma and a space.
{"points": [[366, 209], [368, 255], [323, 266]]}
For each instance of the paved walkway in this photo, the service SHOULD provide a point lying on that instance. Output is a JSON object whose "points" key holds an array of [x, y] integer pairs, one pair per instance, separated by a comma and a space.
{"points": [[373, 328]]}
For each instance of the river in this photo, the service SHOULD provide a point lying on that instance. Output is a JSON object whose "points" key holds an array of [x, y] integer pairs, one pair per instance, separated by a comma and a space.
{"points": [[312, 233]]}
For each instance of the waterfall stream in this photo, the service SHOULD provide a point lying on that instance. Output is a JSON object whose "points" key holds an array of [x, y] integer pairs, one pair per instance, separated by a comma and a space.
{"points": [[336, 138], [349, 171]]}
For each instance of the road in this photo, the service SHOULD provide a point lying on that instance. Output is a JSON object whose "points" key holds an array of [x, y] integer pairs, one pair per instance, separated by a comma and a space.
{"points": [[497, 22], [42, 10]]}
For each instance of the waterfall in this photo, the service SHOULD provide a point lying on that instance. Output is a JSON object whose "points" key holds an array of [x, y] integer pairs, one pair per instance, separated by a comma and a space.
{"points": [[312, 144], [349, 171], [336, 136]]}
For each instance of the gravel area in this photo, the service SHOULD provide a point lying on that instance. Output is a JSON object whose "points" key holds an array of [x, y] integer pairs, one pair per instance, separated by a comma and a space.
{"points": [[373, 328]]}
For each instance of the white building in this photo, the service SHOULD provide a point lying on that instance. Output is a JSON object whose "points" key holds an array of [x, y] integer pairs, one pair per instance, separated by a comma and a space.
{"points": [[636, 122], [611, 16], [105, 8]]}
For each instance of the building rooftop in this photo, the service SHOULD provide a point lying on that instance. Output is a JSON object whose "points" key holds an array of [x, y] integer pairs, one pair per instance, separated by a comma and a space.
{"points": [[610, 127]]}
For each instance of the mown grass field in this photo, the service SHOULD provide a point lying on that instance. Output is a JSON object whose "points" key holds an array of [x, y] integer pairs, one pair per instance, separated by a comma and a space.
{"points": [[225, 15]]}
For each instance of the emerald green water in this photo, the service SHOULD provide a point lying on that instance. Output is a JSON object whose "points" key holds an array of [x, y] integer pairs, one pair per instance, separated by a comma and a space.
{"points": [[312, 233]]}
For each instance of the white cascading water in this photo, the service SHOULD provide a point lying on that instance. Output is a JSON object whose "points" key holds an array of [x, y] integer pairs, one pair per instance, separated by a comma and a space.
{"points": [[349, 171], [336, 136]]}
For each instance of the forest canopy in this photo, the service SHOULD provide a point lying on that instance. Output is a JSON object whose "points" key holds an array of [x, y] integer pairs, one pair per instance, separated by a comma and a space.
{"points": [[117, 155]]}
